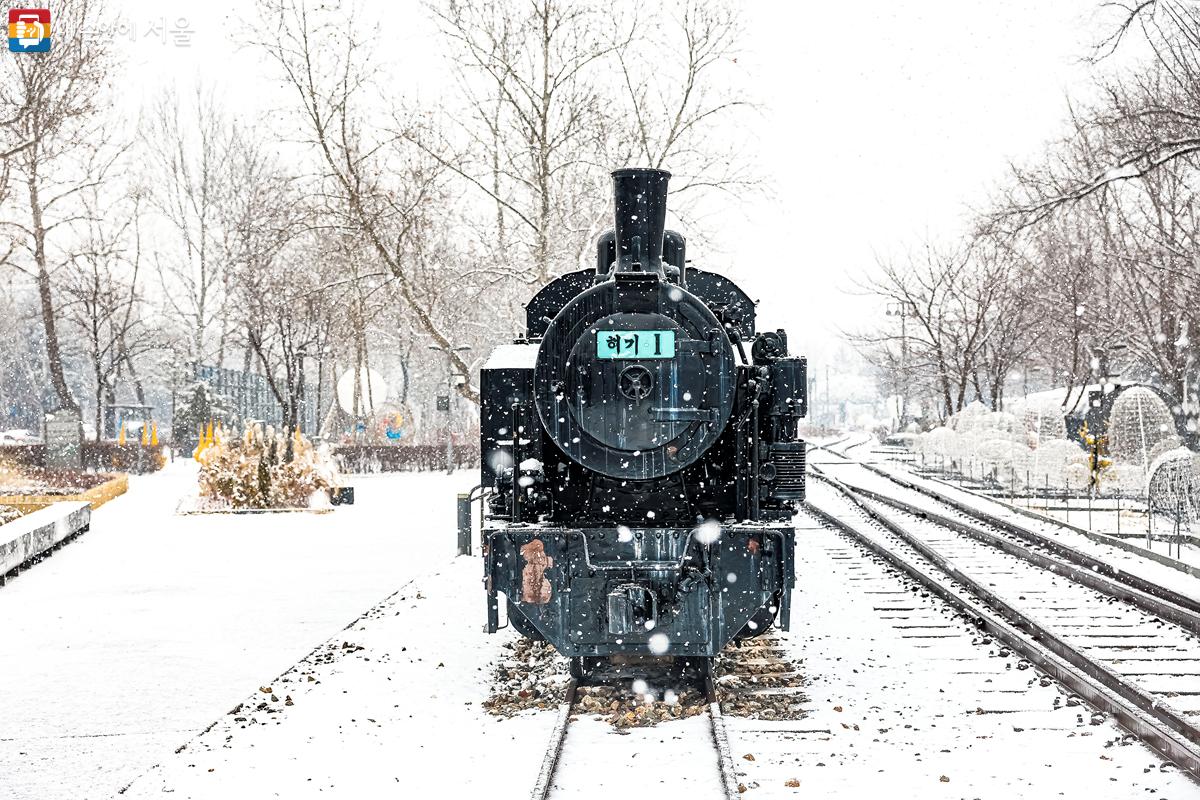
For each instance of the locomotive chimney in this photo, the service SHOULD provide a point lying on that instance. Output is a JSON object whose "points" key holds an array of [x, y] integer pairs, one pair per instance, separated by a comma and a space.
{"points": [[640, 198]]}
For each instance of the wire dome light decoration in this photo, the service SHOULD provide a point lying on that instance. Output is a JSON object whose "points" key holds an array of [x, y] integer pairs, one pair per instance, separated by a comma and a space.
{"points": [[1139, 422], [1173, 485], [1043, 421]]}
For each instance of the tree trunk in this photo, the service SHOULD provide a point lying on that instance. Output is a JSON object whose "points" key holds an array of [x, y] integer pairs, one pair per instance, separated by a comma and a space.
{"points": [[99, 407], [138, 390], [53, 352]]}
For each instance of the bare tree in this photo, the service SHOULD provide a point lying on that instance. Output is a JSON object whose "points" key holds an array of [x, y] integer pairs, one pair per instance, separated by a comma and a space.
{"points": [[535, 123], [103, 301], [276, 265], [1145, 119], [685, 104], [191, 177], [381, 191], [948, 314], [57, 148]]}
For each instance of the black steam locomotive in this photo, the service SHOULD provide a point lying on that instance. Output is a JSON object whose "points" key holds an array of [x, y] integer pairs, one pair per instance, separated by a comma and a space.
{"points": [[640, 447]]}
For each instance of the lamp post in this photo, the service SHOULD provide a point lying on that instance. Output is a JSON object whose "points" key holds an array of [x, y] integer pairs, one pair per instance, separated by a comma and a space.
{"points": [[449, 405], [903, 310]]}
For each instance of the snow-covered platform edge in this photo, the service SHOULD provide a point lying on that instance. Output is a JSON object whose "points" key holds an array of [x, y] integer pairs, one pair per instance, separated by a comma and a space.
{"points": [[29, 536]]}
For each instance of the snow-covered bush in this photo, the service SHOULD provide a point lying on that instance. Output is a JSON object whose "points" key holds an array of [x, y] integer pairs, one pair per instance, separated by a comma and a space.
{"points": [[996, 441], [253, 471], [1006, 459], [941, 442]]}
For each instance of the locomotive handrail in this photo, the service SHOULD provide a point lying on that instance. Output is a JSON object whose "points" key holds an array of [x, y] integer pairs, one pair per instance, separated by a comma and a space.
{"points": [[684, 414]]}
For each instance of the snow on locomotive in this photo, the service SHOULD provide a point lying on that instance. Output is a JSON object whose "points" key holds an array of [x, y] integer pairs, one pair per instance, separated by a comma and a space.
{"points": [[643, 466]]}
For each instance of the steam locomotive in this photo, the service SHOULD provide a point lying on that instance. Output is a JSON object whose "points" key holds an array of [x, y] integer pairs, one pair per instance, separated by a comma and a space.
{"points": [[639, 444]]}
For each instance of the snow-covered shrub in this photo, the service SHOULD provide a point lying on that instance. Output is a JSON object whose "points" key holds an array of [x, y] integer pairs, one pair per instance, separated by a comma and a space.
{"points": [[976, 424], [969, 419], [253, 471], [939, 442], [1006, 459], [1076, 476]]}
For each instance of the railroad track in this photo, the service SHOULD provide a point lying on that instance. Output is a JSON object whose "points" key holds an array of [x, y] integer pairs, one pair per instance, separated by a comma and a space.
{"points": [[1123, 643], [545, 785]]}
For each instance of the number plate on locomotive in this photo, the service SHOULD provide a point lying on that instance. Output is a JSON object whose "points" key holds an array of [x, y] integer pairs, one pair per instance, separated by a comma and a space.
{"points": [[635, 344]]}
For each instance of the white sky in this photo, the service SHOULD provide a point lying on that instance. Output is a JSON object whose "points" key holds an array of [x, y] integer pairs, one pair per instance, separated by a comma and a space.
{"points": [[882, 121]]}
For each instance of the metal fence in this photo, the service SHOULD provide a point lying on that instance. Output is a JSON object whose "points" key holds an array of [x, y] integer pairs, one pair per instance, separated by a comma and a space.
{"points": [[246, 395], [404, 458]]}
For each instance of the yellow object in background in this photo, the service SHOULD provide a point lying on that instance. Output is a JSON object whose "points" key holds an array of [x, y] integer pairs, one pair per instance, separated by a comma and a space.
{"points": [[154, 434], [121, 434]]}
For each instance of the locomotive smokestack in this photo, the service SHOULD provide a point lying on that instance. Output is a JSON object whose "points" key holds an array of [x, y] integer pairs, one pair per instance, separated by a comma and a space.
{"points": [[640, 198]]}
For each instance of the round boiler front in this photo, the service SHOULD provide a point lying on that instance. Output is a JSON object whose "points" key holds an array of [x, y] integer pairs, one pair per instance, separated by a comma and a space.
{"points": [[635, 381]]}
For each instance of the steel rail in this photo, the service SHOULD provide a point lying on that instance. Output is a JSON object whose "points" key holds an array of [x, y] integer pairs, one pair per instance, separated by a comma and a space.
{"points": [[1049, 542], [1074, 564], [720, 737], [1164, 729], [1095, 536], [541, 789], [720, 740]]}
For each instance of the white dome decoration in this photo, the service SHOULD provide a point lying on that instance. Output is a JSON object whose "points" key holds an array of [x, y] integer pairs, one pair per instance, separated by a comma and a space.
{"points": [[1043, 422], [1128, 479], [1174, 483], [1139, 421], [373, 390], [1051, 461]]}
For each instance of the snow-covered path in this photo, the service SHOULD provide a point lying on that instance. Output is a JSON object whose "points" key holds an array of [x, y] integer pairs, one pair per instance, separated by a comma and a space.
{"points": [[139, 634], [390, 707]]}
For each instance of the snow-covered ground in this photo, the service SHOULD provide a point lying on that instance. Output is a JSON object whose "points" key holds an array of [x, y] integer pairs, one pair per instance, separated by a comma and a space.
{"points": [[139, 634], [209, 657], [907, 700], [400, 717], [902, 693]]}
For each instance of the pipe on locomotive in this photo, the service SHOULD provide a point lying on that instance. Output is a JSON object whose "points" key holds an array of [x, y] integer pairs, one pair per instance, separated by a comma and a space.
{"points": [[640, 201]]}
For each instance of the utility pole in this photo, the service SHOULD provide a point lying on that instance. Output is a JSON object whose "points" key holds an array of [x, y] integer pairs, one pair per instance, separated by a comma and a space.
{"points": [[828, 410], [902, 310], [448, 406]]}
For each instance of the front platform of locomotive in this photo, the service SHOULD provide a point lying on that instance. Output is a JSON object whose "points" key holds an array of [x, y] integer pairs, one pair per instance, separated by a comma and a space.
{"points": [[642, 466]]}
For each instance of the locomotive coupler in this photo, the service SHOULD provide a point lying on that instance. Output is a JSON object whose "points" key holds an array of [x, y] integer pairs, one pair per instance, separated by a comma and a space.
{"points": [[632, 608]]}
